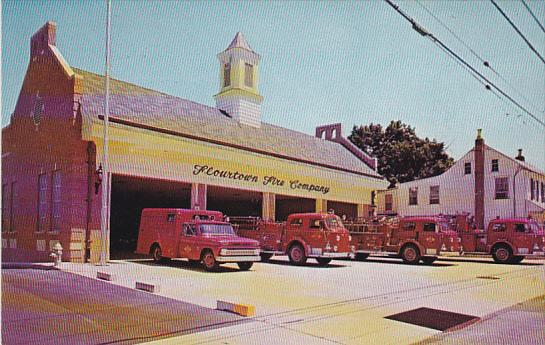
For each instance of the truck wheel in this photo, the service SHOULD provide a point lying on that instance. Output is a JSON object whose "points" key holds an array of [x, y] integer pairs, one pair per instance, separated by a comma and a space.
{"points": [[244, 266], [157, 254], [410, 254], [502, 254], [209, 261], [323, 261], [266, 256], [297, 255], [428, 260], [361, 256], [517, 259]]}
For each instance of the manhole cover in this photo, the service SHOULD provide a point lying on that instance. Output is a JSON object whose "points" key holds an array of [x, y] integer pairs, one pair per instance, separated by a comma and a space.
{"points": [[488, 277], [436, 319]]}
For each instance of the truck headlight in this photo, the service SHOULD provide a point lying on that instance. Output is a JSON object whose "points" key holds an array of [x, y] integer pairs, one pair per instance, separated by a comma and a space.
{"points": [[328, 246], [335, 248], [338, 238]]}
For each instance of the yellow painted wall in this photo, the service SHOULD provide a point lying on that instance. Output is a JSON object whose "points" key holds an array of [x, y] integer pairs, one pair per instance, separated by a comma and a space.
{"points": [[139, 152]]}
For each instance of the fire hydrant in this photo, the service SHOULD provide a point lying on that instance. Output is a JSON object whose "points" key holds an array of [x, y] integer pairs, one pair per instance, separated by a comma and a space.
{"points": [[56, 254]]}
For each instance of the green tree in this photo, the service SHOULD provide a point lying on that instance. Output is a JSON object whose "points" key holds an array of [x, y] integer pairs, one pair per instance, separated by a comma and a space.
{"points": [[402, 156]]}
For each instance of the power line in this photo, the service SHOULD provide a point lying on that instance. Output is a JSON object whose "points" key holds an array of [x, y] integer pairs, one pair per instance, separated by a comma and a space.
{"points": [[486, 63], [518, 31], [533, 15], [418, 28]]}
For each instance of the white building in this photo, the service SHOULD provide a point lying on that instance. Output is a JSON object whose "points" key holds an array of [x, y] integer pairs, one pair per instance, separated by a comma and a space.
{"points": [[484, 183]]}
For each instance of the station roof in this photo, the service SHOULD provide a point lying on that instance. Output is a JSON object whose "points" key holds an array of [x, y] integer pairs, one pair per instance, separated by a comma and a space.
{"points": [[159, 111]]}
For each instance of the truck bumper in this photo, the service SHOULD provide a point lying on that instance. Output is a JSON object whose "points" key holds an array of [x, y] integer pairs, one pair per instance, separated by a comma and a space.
{"points": [[224, 259], [331, 255]]}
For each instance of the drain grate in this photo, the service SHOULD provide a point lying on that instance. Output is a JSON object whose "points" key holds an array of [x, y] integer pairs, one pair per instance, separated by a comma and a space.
{"points": [[436, 319], [488, 277]]}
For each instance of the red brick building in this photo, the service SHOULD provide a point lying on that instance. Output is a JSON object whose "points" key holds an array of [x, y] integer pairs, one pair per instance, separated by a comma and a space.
{"points": [[164, 152]]}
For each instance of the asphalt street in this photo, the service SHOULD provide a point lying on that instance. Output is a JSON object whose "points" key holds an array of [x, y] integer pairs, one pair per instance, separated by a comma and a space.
{"points": [[45, 306]]}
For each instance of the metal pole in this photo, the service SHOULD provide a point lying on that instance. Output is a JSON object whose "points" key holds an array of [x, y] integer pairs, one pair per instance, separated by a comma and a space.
{"points": [[105, 167]]}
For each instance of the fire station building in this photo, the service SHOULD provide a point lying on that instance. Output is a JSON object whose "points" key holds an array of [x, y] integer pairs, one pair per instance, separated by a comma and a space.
{"points": [[164, 151]]}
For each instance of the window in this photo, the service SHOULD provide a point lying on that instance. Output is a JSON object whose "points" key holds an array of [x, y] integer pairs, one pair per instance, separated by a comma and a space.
{"points": [[495, 165], [170, 217], [248, 75], [5, 215], [388, 202], [499, 227], [429, 227], [12, 201], [409, 226], [42, 202], [189, 230], [522, 228], [434, 195], [315, 223], [56, 201], [37, 110], [296, 222], [502, 188], [531, 189], [413, 196], [542, 192], [226, 74], [467, 168]]}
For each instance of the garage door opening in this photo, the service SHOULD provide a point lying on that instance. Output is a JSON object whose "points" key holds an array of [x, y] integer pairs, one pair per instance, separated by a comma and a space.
{"points": [[350, 211], [129, 196], [286, 205], [234, 202]]}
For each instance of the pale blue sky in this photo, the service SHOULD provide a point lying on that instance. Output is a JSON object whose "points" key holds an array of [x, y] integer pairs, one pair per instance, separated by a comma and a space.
{"points": [[322, 62]]}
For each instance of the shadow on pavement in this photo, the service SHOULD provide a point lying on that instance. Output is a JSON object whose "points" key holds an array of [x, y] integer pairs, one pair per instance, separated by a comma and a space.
{"points": [[475, 260], [186, 265]]}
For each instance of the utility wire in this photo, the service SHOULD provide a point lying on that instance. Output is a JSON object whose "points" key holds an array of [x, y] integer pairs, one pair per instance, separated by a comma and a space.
{"points": [[485, 62], [533, 15], [434, 39], [518, 31]]}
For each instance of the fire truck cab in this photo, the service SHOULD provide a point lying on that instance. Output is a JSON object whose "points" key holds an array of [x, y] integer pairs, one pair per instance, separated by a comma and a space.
{"points": [[304, 235], [508, 240], [199, 236]]}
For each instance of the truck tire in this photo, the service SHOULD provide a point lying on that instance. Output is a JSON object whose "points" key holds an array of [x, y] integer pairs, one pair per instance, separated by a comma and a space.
{"points": [[209, 262], [361, 256], [410, 254], [266, 256], [517, 259], [297, 255], [428, 260], [244, 266], [157, 254], [502, 254], [323, 261]]}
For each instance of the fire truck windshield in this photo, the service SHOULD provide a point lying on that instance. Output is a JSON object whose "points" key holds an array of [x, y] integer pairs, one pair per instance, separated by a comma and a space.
{"points": [[216, 229], [333, 223], [443, 227]]}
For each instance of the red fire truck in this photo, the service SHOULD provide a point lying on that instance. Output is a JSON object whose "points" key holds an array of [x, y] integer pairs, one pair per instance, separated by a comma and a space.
{"points": [[199, 236], [508, 240], [411, 238], [304, 235]]}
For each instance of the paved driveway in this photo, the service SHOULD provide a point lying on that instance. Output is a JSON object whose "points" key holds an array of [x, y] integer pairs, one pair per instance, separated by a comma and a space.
{"points": [[41, 306]]}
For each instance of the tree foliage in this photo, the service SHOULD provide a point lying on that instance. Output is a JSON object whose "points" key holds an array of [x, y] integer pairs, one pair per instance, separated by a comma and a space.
{"points": [[402, 156]]}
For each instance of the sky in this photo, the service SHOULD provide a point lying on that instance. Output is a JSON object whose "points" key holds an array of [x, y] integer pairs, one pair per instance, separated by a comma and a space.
{"points": [[353, 62]]}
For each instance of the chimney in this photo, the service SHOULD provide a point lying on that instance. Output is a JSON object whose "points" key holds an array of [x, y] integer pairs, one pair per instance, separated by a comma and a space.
{"points": [[46, 35], [479, 180], [520, 157]]}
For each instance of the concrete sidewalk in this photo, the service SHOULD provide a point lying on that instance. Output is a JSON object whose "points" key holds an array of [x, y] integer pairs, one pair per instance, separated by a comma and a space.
{"points": [[521, 324], [44, 306]]}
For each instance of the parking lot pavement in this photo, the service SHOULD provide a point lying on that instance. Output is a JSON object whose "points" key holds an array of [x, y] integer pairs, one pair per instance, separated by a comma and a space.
{"points": [[344, 303], [44, 306]]}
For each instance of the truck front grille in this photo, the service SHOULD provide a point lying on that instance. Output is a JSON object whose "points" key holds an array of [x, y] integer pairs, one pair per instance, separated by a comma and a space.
{"points": [[240, 252]]}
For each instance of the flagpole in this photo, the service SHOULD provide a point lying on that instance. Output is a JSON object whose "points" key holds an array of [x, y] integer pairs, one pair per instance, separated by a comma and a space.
{"points": [[105, 168]]}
